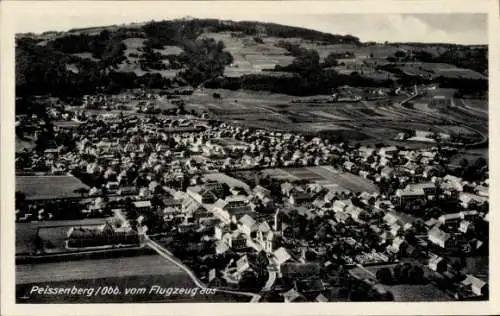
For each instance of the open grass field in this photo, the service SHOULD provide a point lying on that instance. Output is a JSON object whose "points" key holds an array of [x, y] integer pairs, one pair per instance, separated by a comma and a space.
{"points": [[250, 57], [25, 237], [325, 175], [355, 120], [97, 268], [128, 272], [417, 293], [48, 187]]}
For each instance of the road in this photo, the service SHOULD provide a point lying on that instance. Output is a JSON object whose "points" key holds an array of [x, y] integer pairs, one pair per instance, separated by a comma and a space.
{"points": [[270, 281], [169, 256], [367, 271]]}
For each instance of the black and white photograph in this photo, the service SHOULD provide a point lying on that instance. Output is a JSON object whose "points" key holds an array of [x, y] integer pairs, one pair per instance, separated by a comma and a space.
{"points": [[223, 156]]}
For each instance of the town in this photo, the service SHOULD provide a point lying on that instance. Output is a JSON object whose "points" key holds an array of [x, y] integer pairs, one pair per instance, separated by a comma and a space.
{"points": [[281, 215]]}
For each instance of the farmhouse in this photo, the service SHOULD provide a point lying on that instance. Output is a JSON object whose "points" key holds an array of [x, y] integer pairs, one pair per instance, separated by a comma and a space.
{"points": [[202, 194], [477, 286], [437, 264], [142, 206], [440, 238], [300, 198], [388, 151], [415, 191], [102, 235]]}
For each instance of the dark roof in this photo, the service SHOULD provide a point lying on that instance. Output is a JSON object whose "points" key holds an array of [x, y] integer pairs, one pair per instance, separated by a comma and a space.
{"points": [[292, 268], [310, 285]]}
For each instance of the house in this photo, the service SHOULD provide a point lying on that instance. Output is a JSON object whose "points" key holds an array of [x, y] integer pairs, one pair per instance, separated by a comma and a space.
{"points": [[388, 151], [321, 299], [286, 188], [187, 227], [390, 218], [247, 225], [214, 278], [265, 236], [236, 202], [342, 217], [200, 213], [262, 193], [469, 215], [465, 227], [201, 194], [279, 257], [477, 286], [453, 182], [340, 205], [236, 240], [450, 219], [439, 237], [395, 229], [482, 191], [437, 264], [100, 235], [387, 172], [292, 296], [242, 264], [431, 222], [142, 206], [415, 191], [357, 214], [221, 247], [310, 287], [300, 198], [349, 166], [467, 199]]}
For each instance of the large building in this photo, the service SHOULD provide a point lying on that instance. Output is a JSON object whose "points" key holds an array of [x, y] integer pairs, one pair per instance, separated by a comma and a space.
{"points": [[102, 235]]}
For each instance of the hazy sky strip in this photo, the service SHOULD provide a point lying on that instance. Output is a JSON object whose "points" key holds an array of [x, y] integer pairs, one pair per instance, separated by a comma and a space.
{"points": [[460, 28]]}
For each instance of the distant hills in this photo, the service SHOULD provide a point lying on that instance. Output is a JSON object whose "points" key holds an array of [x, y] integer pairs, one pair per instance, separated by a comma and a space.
{"points": [[231, 55]]}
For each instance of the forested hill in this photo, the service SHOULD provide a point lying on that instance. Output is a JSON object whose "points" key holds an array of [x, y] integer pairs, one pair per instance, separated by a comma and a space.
{"points": [[248, 55]]}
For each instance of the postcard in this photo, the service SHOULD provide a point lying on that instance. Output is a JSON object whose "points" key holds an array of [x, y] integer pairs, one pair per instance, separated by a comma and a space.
{"points": [[334, 155]]}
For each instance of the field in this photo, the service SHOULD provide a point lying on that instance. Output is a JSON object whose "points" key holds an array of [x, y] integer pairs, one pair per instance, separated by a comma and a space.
{"points": [[326, 175], [435, 70], [128, 272], [355, 121], [48, 187], [131, 64], [417, 293], [250, 57], [25, 237]]}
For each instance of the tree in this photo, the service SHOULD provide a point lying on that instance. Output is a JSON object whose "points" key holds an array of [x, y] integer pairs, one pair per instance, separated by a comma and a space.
{"points": [[463, 162], [249, 282], [384, 276], [359, 294], [20, 197], [416, 275], [82, 191]]}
